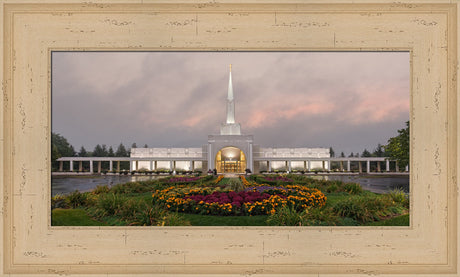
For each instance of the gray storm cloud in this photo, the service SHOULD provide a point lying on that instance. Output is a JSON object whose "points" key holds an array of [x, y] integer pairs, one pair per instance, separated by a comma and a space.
{"points": [[347, 100]]}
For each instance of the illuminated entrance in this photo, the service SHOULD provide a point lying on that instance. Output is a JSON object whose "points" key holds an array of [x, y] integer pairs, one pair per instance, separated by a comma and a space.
{"points": [[230, 159]]}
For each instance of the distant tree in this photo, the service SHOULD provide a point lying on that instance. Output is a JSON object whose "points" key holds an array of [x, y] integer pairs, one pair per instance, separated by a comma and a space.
{"points": [[83, 152], [331, 152], [366, 153], [63, 146], [351, 155], [357, 155], [100, 151], [121, 151], [398, 147], [379, 151], [111, 153], [134, 145], [342, 155], [105, 152], [146, 146], [60, 147]]}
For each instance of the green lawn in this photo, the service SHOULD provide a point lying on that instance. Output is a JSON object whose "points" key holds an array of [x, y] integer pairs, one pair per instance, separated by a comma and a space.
{"points": [[72, 217], [210, 220], [78, 217]]}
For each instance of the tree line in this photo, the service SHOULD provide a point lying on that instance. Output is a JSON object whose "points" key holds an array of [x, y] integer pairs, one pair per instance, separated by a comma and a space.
{"points": [[397, 148], [60, 147]]}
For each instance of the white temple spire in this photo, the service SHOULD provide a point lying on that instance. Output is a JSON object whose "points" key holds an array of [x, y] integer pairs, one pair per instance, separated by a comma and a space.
{"points": [[230, 127], [230, 103]]}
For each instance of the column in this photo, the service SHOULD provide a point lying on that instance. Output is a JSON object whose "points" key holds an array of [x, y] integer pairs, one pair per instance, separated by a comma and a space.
{"points": [[397, 166], [80, 166], [378, 166], [110, 165], [170, 165], [290, 167], [309, 165], [341, 165], [99, 163], [348, 165], [174, 165], [269, 166], [191, 168], [91, 167], [210, 159], [61, 165], [118, 166], [360, 168], [156, 165], [407, 168], [323, 164], [151, 165], [137, 165], [387, 165], [286, 165], [71, 165], [251, 159], [368, 166], [304, 165], [131, 165]]}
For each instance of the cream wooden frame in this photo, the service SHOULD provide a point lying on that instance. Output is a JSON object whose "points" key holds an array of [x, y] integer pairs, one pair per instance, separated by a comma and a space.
{"points": [[31, 30]]}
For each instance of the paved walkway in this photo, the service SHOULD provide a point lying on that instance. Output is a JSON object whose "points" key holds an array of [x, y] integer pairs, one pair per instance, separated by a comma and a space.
{"points": [[231, 175]]}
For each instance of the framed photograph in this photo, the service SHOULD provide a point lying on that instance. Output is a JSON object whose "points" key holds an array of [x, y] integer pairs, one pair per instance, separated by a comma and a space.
{"points": [[33, 31]]}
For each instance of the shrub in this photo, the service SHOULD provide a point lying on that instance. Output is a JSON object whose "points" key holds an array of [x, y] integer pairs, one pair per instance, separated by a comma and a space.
{"points": [[363, 209], [110, 203], [76, 199], [156, 216], [332, 188], [353, 188], [399, 196], [59, 201], [101, 189], [322, 217], [288, 216]]}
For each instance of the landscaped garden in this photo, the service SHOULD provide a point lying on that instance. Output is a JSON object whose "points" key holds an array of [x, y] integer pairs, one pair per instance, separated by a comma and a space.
{"points": [[256, 200]]}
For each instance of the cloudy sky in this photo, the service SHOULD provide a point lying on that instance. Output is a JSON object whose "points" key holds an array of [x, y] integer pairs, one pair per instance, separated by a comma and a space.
{"points": [[346, 100]]}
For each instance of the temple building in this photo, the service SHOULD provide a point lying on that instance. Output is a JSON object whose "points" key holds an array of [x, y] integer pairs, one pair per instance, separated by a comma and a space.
{"points": [[230, 151]]}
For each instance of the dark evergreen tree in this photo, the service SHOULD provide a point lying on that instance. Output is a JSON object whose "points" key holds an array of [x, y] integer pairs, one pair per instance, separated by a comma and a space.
{"points": [[146, 146], [342, 155], [379, 151], [83, 152], [366, 153], [111, 153], [98, 151], [121, 151], [331, 151], [134, 145], [105, 153]]}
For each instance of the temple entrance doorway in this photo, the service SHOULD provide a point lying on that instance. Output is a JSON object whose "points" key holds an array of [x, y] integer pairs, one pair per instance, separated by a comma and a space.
{"points": [[230, 160]]}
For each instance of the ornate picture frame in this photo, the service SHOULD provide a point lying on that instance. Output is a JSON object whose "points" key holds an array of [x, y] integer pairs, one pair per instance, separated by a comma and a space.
{"points": [[32, 30]]}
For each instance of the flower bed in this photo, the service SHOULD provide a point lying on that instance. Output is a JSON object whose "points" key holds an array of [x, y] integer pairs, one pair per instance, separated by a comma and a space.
{"points": [[256, 200]]}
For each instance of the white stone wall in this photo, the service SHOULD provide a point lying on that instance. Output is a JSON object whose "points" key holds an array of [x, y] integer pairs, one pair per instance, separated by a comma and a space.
{"points": [[296, 153], [166, 152]]}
